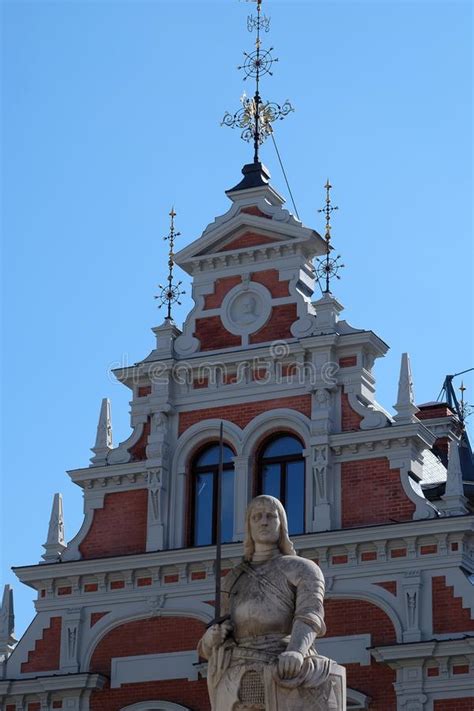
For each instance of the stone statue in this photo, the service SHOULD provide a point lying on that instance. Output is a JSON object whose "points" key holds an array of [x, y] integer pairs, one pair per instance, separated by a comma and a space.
{"points": [[263, 656]]}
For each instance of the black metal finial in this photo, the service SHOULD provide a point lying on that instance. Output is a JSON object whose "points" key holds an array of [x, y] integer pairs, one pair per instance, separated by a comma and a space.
{"points": [[256, 116], [465, 408], [170, 293], [328, 267]]}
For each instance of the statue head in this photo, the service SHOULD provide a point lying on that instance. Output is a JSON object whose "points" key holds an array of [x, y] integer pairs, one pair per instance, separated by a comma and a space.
{"points": [[267, 504]]}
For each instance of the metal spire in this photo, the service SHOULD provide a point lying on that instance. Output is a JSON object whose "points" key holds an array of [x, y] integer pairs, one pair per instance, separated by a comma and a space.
{"points": [[256, 116], [171, 292], [328, 267]]}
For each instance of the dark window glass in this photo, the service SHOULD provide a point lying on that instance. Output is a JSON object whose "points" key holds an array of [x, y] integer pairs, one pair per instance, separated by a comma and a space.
{"points": [[205, 470], [283, 446], [281, 474], [211, 456], [204, 496]]}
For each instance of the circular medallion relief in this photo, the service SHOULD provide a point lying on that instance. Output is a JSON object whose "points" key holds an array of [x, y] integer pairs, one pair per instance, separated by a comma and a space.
{"points": [[246, 308]]}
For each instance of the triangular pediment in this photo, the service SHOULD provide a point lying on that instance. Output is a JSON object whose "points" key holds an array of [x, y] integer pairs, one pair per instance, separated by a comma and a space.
{"points": [[256, 219], [243, 238]]}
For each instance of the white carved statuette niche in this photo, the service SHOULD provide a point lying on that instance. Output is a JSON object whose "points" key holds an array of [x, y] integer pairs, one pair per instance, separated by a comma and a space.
{"points": [[405, 405], [412, 588], [155, 534], [55, 543], [70, 640], [7, 623], [103, 440], [322, 510], [454, 499], [157, 447]]}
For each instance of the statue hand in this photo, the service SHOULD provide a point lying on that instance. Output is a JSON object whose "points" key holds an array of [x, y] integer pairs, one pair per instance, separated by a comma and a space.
{"points": [[217, 634], [290, 664]]}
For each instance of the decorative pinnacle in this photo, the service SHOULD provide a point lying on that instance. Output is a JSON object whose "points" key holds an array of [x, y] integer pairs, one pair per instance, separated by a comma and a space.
{"points": [[55, 543], [405, 405], [7, 624], [256, 116], [454, 493], [171, 292], [328, 268]]}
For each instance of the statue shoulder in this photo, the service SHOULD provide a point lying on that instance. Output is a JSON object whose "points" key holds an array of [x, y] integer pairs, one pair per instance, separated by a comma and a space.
{"points": [[297, 569], [232, 576]]}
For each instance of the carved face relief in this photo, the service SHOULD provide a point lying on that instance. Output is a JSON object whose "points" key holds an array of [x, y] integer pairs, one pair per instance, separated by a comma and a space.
{"points": [[246, 308], [265, 525]]}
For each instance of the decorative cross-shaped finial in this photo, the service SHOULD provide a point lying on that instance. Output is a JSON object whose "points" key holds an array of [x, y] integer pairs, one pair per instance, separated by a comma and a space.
{"points": [[171, 292], [328, 267], [256, 116]]}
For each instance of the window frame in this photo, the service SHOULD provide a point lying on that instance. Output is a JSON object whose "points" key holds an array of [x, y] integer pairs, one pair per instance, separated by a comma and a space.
{"points": [[283, 460], [194, 473]]}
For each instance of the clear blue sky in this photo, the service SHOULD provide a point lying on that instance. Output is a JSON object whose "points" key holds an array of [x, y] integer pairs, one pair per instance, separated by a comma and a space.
{"points": [[111, 114]]}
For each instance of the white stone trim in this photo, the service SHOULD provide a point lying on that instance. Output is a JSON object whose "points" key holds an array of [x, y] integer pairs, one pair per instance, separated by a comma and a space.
{"points": [[153, 705], [351, 649], [356, 700], [153, 667]]}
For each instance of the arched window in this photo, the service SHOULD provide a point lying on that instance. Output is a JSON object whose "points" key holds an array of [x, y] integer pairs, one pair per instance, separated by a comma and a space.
{"points": [[281, 474], [205, 468]]}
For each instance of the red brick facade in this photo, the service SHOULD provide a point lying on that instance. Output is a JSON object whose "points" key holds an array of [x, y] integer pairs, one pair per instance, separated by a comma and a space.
{"points": [[46, 654], [149, 636], [242, 414], [221, 288], [212, 335], [119, 528], [461, 704], [372, 493], [269, 278], [350, 419], [251, 239], [449, 615], [347, 617], [278, 326]]}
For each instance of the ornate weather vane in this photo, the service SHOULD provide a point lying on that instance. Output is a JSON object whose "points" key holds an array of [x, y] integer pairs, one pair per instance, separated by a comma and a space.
{"points": [[171, 292], [256, 116], [328, 267], [465, 408]]}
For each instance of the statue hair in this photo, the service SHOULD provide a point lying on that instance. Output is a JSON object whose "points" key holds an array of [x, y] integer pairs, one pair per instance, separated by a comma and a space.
{"points": [[284, 543]]}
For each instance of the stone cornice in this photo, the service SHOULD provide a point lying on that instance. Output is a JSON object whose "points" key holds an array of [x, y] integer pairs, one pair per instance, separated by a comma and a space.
{"points": [[60, 682], [395, 655], [386, 438], [311, 544]]}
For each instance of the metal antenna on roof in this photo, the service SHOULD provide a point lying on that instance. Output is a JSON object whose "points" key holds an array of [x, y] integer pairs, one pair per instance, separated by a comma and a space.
{"points": [[171, 292], [328, 267], [256, 116]]}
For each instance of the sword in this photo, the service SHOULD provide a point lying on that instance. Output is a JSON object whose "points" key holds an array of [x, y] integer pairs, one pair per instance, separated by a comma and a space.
{"points": [[218, 619]]}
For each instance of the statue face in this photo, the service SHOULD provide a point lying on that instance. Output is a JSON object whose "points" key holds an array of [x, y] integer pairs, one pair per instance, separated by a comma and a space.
{"points": [[265, 524]]}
